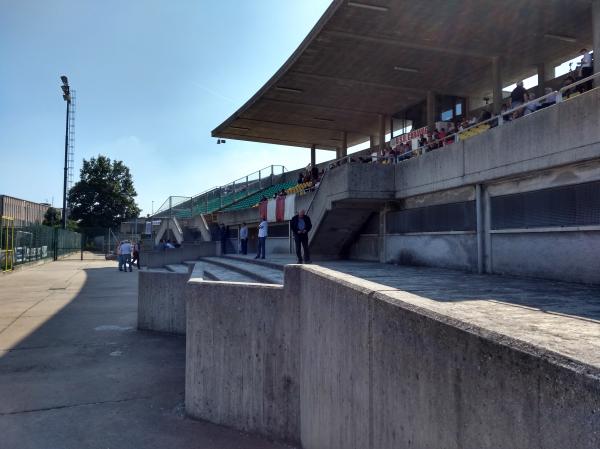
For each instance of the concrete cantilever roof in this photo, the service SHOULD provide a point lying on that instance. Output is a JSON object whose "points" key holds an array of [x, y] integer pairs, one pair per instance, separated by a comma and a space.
{"points": [[369, 57]]}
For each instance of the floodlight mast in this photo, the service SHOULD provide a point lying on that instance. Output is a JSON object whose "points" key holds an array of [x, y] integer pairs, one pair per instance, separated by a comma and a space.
{"points": [[67, 97]]}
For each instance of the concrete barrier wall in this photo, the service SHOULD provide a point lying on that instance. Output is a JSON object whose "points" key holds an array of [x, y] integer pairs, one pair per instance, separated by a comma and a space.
{"points": [[161, 301], [567, 256], [381, 373], [456, 251], [241, 357], [338, 362], [160, 258]]}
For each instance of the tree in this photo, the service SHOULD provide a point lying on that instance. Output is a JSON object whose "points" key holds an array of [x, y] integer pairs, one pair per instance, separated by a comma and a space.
{"points": [[51, 217], [104, 195]]}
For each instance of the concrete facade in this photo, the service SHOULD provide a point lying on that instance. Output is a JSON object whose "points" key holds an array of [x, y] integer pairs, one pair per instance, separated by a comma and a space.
{"points": [[161, 301], [241, 363], [160, 258], [371, 366]]}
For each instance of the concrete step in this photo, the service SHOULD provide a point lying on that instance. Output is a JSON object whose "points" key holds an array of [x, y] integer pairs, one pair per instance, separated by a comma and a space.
{"points": [[214, 272], [177, 268], [275, 264], [258, 273]]}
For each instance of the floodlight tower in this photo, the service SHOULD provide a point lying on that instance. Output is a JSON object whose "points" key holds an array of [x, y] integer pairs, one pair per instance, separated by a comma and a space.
{"points": [[69, 97]]}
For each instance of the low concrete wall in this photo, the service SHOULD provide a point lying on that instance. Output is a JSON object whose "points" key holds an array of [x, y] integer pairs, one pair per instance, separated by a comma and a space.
{"points": [[567, 256], [335, 362], [160, 258], [241, 359], [161, 301], [456, 251]]}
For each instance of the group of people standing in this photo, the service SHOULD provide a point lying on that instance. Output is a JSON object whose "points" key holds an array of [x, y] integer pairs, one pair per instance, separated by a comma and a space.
{"points": [[300, 226], [128, 255]]}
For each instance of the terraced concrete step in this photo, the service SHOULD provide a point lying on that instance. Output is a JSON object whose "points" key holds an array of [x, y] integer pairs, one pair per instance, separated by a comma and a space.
{"points": [[214, 272], [258, 273], [274, 263], [177, 268]]}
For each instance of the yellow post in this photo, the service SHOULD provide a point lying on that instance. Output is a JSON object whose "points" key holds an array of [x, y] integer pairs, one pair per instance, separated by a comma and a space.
{"points": [[7, 230]]}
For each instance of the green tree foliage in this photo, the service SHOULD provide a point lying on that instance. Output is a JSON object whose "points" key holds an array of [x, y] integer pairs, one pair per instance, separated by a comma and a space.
{"points": [[51, 217], [104, 195]]}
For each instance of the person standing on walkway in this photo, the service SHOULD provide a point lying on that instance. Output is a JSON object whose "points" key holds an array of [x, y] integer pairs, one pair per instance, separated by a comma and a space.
{"points": [[244, 238], [126, 255], [262, 239], [223, 235], [119, 255], [135, 260], [301, 226]]}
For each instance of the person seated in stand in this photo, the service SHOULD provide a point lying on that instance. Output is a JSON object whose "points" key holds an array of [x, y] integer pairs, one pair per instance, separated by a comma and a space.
{"points": [[505, 117], [549, 100], [300, 178], [442, 137], [531, 107], [567, 82], [450, 134], [485, 115], [422, 143]]}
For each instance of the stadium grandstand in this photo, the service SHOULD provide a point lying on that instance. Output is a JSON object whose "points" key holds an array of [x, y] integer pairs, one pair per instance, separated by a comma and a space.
{"points": [[457, 165], [464, 183]]}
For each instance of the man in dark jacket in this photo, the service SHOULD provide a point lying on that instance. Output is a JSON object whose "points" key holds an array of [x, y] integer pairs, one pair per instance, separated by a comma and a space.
{"points": [[301, 226]]}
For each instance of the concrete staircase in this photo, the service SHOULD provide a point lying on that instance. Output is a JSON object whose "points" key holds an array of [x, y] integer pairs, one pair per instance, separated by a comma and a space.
{"points": [[346, 198], [236, 269]]}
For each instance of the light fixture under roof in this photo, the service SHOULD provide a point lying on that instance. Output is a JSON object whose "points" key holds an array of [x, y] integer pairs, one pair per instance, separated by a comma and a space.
{"points": [[322, 119], [240, 128], [368, 6], [289, 89], [559, 37], [406, 69]]}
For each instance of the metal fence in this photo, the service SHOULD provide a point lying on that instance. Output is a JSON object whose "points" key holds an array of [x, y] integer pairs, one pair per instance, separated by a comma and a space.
{"points": [[219, 197], [24, 244]]}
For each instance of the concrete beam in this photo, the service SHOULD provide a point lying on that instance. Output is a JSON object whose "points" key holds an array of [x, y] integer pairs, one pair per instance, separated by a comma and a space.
{"points": [[497, 84], [386, 40], [431, 110], [338, 80]]}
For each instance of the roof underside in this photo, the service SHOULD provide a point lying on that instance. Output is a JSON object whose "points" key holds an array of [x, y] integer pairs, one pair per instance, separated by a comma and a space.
{"points": [[343, 76]]}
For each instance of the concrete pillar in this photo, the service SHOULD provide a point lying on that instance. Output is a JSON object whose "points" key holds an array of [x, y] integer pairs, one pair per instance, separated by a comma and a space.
{"points": [[431, 110], [480, 228], [344, 149], [313, 155], [373, 141], [497, 84], [382, 229], [596, 35], [381, 132], [487, 228], [541, 72]]}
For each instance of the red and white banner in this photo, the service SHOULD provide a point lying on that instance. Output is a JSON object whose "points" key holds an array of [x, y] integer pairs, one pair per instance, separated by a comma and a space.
{"points": [[408, 136], [278, 209]]}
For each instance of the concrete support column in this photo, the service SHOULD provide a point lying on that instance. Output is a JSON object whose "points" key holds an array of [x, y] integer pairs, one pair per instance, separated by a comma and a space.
{"points": [[431, 110], [541, 72], [373, 141], [497, 84], [596, 35], [487, 228], [313, 155], [479, 208], [344, 149], [382, 231], [381, 132]]}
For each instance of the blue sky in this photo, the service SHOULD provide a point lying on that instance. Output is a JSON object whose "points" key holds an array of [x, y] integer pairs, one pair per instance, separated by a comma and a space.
{"points": [[153, 78]]}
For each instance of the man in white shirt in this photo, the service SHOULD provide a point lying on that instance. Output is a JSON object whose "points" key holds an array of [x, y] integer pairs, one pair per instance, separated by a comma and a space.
{"points": [[244, 238], [125, 260], [262, 239]]}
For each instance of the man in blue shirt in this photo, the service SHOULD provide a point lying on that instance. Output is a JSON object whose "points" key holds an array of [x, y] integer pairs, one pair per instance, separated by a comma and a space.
{"points": [[301, 226]]}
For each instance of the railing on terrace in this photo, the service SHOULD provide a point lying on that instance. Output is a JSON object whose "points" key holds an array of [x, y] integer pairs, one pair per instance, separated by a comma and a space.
{"points": [[219, 197], [557, 97]]}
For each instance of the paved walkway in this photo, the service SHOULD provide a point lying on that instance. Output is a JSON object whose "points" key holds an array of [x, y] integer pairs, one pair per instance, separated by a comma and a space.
{"points": [[76, 374]]}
